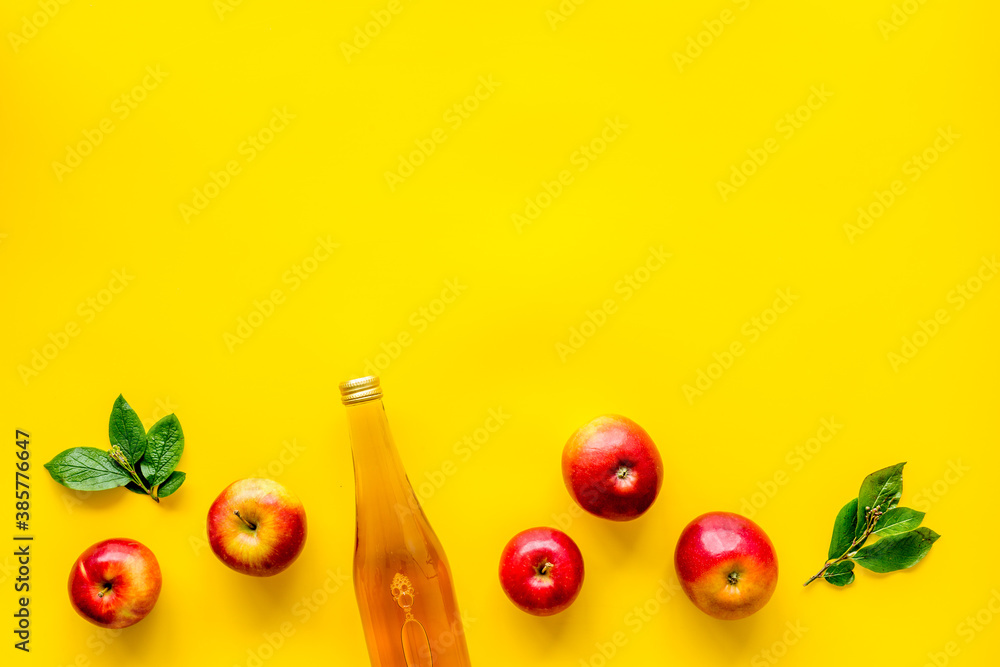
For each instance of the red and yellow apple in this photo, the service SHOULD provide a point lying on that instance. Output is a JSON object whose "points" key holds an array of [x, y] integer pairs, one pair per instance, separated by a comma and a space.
{"points": [[612, 468], [257, 527], [541, 571], [726, 565], [115, 583]]}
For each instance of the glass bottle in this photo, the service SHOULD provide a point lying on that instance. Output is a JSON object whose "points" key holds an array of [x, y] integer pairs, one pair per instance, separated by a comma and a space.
{"points": [[402, 580]]}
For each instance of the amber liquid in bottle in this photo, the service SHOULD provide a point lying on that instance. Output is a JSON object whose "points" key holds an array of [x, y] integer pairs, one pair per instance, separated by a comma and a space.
{"points": [[402, 581]]}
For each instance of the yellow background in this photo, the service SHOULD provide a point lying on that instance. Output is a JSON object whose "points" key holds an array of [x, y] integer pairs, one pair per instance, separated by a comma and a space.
{"points": [[161, 340]]}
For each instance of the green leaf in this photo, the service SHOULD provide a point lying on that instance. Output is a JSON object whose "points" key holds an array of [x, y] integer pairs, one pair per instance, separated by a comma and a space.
{"points": [[897, 520], [171, 484], [897, 552], [164, 446], [135, 488], [86, 469], [125, 430], [840, 574], [880, 489], [843, 529]]}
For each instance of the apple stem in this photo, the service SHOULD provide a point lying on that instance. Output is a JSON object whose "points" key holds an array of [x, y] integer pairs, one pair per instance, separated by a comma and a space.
{"points": [[107, 587], [251, 526], [544, 569]]}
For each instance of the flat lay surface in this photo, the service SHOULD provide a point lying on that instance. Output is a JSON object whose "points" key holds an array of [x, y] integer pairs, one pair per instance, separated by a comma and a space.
{"points": [[766, 232]]}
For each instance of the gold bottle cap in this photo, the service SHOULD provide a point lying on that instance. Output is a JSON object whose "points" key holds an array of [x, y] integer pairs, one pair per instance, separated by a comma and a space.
{"points": [[360, 390]]}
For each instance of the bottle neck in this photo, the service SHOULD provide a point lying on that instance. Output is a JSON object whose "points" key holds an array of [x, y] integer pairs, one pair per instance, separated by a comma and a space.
{"points": [[379, 476]]}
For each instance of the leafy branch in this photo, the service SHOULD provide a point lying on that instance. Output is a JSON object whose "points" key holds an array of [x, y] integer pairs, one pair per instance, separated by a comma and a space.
{"points": [[873, 515], [901, 542], [142, 462], [118, 456]]}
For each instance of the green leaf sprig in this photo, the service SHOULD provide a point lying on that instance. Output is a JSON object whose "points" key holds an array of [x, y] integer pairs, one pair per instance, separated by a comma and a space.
{"points": [[142, 462], [901, 543]]}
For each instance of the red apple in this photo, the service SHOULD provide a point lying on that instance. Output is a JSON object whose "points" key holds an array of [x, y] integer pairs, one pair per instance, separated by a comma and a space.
{"points": [[612, 468], [115, 583], [257, 527], [541, 571], [726, 565]]}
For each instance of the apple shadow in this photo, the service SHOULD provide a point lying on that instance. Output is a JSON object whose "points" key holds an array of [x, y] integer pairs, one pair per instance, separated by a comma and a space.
{"points": [[541, 632], [731, 638], [728, 639], [623, 535], [267, 600], [136, 639]]}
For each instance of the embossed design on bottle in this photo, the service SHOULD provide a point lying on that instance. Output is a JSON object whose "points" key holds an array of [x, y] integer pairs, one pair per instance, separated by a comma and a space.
{"points": [[416, 646]]}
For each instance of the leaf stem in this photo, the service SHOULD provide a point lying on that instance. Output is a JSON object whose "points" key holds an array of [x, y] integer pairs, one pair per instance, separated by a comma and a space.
{"points": [[118, 456], [871, 518]]}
